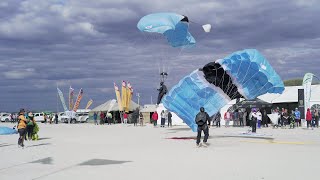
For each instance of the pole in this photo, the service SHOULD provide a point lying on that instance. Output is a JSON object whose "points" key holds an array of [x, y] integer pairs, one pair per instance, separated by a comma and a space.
{"points": [[138, 95]]}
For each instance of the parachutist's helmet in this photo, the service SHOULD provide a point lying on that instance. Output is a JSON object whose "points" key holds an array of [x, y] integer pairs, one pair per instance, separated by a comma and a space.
{"points": [[161, 83], [202, 109]]}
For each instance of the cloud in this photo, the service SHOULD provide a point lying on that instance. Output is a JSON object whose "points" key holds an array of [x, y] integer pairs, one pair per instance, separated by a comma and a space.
{"points": [[92, 44], [19, 74]]}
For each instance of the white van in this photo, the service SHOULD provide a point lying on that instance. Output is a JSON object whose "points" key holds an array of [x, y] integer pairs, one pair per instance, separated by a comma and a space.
{"points": [[38, 117]]}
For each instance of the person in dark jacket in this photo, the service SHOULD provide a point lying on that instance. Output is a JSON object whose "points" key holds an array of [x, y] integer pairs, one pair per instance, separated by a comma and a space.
{"points": [[56, 118], [203, 121], [169, 119], [162, 91]]}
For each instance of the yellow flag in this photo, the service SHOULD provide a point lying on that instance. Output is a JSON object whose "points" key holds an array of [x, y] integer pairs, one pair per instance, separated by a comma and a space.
{"points": [[89, 103], [124, 95], [116, 89]]}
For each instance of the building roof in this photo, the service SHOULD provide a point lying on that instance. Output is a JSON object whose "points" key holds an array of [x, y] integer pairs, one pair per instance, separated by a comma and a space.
{"points": [[290, 95]]}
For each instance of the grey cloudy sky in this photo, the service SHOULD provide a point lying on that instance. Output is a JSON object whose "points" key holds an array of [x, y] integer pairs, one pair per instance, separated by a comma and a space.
{"points": [[91, 44]]}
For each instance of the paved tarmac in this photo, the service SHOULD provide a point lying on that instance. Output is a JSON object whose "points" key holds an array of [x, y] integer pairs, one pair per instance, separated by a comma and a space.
{"points": [[86, 151]]}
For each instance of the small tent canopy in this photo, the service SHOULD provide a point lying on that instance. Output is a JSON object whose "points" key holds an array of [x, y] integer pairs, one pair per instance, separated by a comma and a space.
{"points": [[256, 103], [112, 105]]}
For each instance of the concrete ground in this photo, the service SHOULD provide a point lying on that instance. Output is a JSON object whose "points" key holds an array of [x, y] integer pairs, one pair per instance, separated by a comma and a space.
{"points": [[86, 151]]}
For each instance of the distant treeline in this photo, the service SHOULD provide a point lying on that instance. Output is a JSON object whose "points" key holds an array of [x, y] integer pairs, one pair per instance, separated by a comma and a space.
{"points": [[296, 82]]}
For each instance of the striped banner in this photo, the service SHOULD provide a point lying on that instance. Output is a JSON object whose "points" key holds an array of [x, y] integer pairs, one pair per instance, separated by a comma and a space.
{"points": [[77, 104], [62, 100]]}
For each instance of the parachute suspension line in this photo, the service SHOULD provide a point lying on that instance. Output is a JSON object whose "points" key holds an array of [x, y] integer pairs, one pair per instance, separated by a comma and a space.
{"points": [[234, 94], [261, 89], [246, 74], [222, 79], [230, 80], [250, 78]]}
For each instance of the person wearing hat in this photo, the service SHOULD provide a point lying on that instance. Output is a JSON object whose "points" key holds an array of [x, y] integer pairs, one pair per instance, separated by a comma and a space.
{"points": [[22, 124], [203, 122]]}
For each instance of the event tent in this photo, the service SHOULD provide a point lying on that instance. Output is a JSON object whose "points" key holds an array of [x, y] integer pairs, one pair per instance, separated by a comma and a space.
{"points": [[112, 105]]}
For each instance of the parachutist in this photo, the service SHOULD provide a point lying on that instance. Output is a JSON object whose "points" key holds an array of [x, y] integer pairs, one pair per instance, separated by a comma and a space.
{"points": [[162, 91]]}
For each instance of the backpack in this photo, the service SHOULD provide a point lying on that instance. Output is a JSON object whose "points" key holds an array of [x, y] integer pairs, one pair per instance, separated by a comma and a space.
{"points": [[201, 119]]}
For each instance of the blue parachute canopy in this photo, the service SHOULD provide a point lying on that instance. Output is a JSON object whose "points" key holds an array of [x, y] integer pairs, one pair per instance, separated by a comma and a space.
{"points": [[173, 26], [191, 93], [243, 74], [251, 73], [7, 130]]}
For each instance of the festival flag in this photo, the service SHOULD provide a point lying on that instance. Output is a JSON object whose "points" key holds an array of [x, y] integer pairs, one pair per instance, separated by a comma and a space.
{"points": [[89, 103], [129, 96], [124, 95], [307, 82], [62, 100], [116, 89], [71, 90], [77, 104]]}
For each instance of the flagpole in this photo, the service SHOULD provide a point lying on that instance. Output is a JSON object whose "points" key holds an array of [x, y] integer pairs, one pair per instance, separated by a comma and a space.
{"points": [[57, 99]]}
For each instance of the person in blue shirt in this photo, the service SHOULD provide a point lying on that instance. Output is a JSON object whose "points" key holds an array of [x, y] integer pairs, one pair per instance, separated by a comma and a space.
{"points": [[297, 117], [95, 117]]}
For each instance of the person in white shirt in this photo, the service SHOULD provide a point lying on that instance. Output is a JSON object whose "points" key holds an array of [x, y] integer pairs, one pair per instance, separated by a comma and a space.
{"points": [[259, 118]]}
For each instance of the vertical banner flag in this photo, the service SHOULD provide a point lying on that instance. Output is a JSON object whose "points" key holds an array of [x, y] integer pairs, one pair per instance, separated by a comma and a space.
{"points": [[77, 104], [89, 103], [71, 98], [62, 100], [124, 95], [116, 89], [307, 80]]}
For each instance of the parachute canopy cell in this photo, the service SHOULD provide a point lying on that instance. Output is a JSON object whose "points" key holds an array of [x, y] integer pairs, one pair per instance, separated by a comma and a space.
{"points": [[173, 26], [242, 74]]}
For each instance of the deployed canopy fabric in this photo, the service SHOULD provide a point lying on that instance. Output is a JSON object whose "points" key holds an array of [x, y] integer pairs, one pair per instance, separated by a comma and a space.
{"points": [[173, 26], [112, 105], [7, 130]]}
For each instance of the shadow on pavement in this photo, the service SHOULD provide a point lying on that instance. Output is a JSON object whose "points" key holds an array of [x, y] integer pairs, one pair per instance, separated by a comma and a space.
{"points": [[42, 144], [44, 138], [47, 160], [4, 145], [101, 162]]}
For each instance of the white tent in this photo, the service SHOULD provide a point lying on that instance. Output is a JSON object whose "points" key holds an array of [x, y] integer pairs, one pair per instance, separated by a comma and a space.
{"points": [[175, 119], [112, 105]]}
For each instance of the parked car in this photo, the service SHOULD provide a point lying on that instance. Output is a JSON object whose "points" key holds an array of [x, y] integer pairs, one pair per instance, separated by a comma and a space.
{"points": [[80, 116], [38, 117], [5, 117]]}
